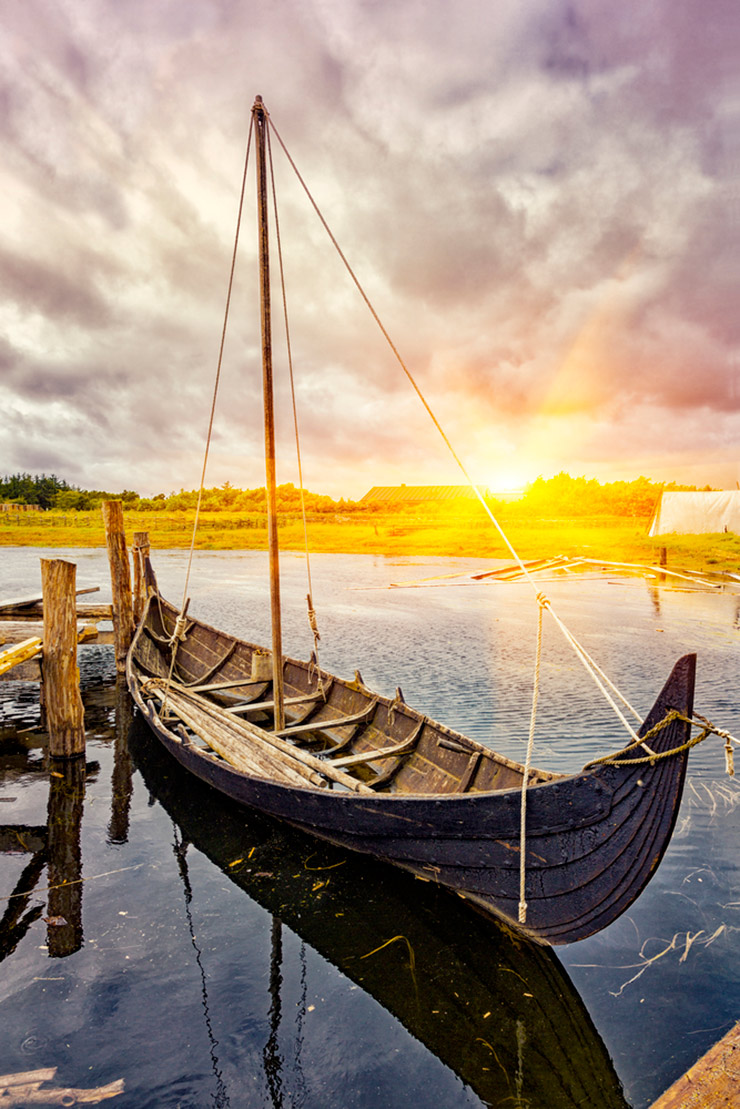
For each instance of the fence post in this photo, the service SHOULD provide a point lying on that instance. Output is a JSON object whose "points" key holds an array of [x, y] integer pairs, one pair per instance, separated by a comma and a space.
{"points": [[65, 715]]}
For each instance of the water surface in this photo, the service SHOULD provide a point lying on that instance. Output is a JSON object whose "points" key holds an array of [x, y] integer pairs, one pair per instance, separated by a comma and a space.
{"points": [[217, 958]]}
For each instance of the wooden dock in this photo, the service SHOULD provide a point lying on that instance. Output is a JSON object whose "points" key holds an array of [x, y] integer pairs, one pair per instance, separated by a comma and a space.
{"points": [[712, 1083], [21, 632]]}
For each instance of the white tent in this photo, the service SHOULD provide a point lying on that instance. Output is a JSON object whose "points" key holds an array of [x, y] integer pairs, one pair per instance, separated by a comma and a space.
{"points": [[697, 513]]}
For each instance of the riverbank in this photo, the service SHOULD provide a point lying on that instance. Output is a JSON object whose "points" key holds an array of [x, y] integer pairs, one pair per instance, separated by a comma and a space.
{"points": [[611, 538]]}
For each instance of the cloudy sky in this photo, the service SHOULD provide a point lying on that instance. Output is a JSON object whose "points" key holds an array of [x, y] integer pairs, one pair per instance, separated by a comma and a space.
{"points": [[540, 197]]}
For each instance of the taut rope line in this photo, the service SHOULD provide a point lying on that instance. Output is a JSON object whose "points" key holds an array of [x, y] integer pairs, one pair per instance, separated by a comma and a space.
{"points": [[179, 631], [309, 597], [598, 676]]}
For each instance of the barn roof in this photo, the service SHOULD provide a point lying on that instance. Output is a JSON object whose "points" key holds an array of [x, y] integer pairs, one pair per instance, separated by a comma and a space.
{"points": [[395, 494]]}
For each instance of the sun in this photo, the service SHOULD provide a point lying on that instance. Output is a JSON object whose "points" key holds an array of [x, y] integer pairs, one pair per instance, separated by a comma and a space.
{"points": [[506, 479]]}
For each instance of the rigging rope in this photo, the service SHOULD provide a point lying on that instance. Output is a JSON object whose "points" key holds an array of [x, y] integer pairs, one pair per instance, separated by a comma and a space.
{"points": [[177, 635], [313, 624], [606, 687]]}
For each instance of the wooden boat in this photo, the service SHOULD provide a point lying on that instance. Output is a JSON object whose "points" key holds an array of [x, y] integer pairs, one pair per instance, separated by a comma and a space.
{"points": [[500, 1012], [370, 773], [374, 775]]}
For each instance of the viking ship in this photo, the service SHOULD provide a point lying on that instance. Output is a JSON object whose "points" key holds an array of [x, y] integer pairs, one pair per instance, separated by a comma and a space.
{"points": [[558, 857]]}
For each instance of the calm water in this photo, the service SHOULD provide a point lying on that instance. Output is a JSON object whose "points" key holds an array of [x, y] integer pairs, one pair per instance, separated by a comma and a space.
{"points": [[215, 958]]}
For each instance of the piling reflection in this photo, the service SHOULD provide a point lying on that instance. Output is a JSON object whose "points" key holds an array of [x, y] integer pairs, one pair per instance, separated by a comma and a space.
{"points": [[498, 1011], [64, 822], [121, 782], [19, 914]]}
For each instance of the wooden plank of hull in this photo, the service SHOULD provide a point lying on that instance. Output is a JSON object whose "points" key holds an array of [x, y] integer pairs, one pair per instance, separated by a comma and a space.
{"points": [[593, 839]]}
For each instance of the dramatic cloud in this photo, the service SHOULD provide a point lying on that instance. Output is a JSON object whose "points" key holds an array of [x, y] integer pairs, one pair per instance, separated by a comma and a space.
{"points": [[539, 197]]}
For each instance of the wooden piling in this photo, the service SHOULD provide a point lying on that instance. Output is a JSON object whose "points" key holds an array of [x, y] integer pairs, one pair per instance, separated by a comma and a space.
{"points": [[120, 575], [61, 688], [139, 554]]}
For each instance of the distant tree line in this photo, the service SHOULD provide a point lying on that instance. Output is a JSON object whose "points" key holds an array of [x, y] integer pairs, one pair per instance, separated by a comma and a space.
{"points": [[228, 498], [561, 495], [49, 491]]}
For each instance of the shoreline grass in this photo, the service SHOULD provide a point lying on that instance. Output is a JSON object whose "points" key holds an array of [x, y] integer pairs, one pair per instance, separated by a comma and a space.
{"points": [[612, 538]]}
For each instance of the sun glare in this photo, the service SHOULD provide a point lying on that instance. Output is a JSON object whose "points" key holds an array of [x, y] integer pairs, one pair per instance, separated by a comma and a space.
{"points": [[507, 479]]}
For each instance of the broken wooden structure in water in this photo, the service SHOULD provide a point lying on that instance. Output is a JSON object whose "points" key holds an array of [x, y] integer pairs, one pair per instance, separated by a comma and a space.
{"points": [[53, 615]]}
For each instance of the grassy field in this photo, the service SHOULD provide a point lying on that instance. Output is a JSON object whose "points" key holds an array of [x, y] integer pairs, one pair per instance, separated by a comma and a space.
{"points": [[471, 535]]}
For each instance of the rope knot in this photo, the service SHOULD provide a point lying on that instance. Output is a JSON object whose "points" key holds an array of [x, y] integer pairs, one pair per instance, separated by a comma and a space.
{"points": [[180, 630], [543, 600]]}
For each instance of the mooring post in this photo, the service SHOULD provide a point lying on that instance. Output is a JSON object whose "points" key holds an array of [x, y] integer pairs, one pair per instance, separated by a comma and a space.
{"points": [[120, 576], [139, 554], [62, 702]]}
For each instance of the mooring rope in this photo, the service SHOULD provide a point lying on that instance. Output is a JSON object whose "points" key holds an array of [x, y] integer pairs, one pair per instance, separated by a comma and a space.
{"points": [[706, 728]]}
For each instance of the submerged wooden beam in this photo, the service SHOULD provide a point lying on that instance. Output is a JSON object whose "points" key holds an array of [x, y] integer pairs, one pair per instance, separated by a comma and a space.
{"points": [[24, 1088], [120, 576], [61, 691]]}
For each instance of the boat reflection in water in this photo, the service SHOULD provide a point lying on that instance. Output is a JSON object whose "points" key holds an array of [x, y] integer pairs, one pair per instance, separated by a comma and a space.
{"points": [[497, 1010]]}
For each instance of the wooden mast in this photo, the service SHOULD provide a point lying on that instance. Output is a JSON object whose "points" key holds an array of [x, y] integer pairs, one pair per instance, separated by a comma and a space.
{"points": [[259, 116]]}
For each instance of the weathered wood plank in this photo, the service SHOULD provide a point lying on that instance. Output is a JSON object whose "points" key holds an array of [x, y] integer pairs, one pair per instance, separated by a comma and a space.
{"points": [[36, 612], [24, 1088], [37, 598], [120, 575], [20, 652], [139, 554], [62, 700], [712, 1083]]}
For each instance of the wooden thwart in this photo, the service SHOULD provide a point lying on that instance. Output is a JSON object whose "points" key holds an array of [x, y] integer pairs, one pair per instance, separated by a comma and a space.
{"points": [[327, 725]]}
